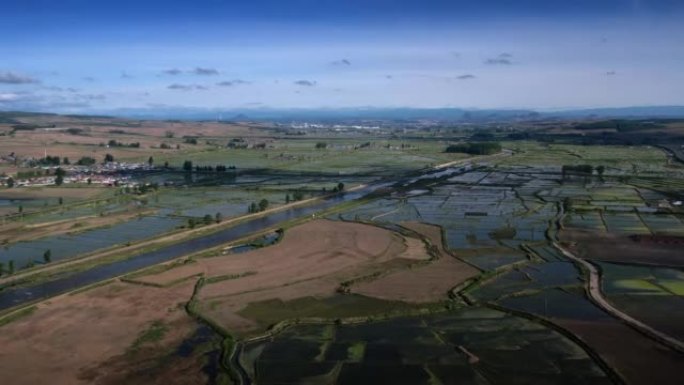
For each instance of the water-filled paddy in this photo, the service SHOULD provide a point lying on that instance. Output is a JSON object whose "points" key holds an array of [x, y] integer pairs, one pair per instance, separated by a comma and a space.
{"points": [[66, 246], [456, 347]]}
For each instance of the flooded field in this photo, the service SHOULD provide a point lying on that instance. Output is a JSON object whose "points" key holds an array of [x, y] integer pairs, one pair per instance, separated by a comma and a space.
{"points": [[466, 346]]}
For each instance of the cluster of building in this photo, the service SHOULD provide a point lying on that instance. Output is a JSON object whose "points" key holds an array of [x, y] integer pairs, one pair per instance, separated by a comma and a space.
{"points": [[109, 174]]}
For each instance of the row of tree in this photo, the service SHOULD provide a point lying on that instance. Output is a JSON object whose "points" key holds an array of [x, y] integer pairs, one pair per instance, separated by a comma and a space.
{"points": [[475, 148], [582, 170], [258, 207], [188, 167], [206, 220], [114, 143], [47, 258]]}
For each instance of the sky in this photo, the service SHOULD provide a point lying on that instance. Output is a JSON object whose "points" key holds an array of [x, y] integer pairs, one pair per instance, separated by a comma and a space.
{"points": [[84, 56]]}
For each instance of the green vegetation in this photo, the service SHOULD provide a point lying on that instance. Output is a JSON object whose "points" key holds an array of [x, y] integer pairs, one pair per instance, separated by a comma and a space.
{"points": [[619, 125], [114, 143], [86, 161], [356, 351], [4, 320], [270, 312], [475, 148], [413, 350], [154, 333]]}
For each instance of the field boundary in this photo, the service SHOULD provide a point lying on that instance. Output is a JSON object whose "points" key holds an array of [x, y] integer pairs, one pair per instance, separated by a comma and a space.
{"points": [[596, 295]]}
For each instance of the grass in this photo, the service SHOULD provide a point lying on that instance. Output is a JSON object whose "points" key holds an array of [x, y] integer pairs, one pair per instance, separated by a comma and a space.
{"points": [[643, 158], [221, 278], [17, 315], [154, 333], [270, 312], [637, 285], [674, 287], [356, 352], [161, 268]]}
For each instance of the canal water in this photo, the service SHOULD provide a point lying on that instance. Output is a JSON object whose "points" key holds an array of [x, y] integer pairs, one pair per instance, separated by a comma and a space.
{"points": [[13, 296]]}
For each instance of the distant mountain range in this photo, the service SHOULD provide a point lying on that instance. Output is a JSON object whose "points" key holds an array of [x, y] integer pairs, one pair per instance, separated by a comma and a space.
{"points": [[445, 114], [398, 114]]}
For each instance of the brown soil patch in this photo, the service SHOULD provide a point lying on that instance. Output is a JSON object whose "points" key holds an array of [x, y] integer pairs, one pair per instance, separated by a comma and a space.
{"points": [[431, 232], [311, 260], [68, 338], [638, 359], [51, 192], [614, 248], [428, 283], [314, 250], [425, 283], [176, 274]]}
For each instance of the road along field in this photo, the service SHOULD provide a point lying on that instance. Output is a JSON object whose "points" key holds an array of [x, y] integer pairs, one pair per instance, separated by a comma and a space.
{"points": [[106, 329]]}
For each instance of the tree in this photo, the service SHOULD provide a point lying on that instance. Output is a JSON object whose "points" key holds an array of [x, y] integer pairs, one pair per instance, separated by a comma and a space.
{"points": [[66, 160], [150, 161], [108, 158], [600, 170], [191, 223], [340, 186], [187, 166], [2, 268], [10, 182], [59, 173], [287, 198], [47, 256], [567, 204], [208, 219], [252, 208], [475, 148], [218, 217], [21, 209], [86, 161], [61, 201], [263, 204], [10, 267], [90, 181]]}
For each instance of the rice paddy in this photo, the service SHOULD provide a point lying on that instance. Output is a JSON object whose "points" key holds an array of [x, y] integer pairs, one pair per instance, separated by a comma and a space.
{"points": [[465, 346]]}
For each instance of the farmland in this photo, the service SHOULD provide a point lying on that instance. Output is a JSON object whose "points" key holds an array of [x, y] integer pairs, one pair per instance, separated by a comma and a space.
{"points": [[364, 265]]}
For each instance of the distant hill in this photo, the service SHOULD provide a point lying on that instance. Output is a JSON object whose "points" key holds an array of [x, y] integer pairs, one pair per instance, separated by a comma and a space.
{"points": [[370, 113], [445, 114], [624, 112]]}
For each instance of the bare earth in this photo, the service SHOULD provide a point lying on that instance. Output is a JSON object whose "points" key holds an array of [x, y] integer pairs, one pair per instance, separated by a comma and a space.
{"points": [[67, 339], [427, 283], [613, 248], [86, 338], [311, 260], [637, 358]]}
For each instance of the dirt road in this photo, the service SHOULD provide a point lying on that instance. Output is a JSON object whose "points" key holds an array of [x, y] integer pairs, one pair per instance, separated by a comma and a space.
{"points": [[598, 298]]}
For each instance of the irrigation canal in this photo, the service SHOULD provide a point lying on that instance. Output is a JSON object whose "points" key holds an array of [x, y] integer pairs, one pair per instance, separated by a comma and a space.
{"points": [[21, 294]]}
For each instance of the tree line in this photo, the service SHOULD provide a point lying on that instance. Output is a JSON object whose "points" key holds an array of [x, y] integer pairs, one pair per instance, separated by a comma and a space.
{"points": [[475, 148]]}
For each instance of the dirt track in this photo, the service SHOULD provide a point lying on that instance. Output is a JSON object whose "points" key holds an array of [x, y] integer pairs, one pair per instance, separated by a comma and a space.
{"points": [[598, 298]]}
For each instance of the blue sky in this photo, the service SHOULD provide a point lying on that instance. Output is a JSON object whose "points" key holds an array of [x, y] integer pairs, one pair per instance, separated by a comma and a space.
{"points": [[95, 56]]}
